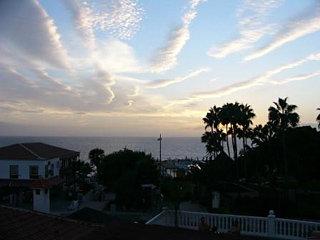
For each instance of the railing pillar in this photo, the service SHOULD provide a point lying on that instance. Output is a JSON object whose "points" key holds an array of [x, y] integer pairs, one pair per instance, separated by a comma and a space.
{"points": [[271, 224]]}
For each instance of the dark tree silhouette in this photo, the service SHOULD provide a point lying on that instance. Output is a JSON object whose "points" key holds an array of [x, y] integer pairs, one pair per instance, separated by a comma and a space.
{"points": [[96, 156], [236, 119], [124, 172], [281, 118], [213, 138], [318, 118]]}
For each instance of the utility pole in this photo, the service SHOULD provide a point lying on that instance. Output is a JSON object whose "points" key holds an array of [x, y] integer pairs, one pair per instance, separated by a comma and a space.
{"points": [[160, 139]]}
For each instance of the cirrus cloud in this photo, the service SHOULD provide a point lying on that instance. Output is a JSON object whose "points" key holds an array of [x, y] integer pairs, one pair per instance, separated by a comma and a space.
{"points": [[166, 57], [25, 27]]}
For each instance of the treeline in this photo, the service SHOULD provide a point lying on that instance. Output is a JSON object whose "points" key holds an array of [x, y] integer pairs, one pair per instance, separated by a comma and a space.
{"points": [[279, 148]]}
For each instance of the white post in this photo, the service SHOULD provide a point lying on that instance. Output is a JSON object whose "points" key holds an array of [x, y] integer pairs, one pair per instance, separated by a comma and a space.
{"points": [[41, 200], [271, 224], [215, 200]]}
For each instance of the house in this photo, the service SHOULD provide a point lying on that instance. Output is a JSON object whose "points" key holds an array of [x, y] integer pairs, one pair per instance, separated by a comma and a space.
{"points": [[177, 167], [36, 166]]}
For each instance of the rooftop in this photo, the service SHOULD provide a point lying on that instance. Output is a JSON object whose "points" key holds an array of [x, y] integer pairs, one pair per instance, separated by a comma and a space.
{"points": [[34, 151], [25, 224]]}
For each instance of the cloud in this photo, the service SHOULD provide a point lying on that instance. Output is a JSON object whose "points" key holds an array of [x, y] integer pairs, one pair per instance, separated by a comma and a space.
{"points": [[166, 57], [26, 28], [120, 18], [116, 56], [83, 18], [167, 82], [299, 27], [106, 81], [252, 27], [262, 79], [300, 77]]}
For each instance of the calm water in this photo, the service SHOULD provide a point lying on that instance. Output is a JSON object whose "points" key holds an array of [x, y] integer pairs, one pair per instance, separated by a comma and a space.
{"points": [[171, 147]]}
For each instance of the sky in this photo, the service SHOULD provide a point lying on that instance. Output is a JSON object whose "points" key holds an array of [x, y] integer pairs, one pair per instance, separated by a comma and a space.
{"points": [[143, 67]]}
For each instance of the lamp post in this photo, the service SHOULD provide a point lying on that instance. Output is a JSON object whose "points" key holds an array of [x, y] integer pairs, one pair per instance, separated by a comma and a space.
{"points": [[160, 139]]}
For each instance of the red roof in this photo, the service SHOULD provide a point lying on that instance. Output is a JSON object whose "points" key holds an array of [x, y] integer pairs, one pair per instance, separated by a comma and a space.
{"points": [[34, 151], [22, 224]]}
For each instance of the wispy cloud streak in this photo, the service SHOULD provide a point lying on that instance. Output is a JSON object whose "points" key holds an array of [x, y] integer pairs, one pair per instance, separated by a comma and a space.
{"points": [[303, 25], [166, 57], [27, 29], [263, 78], [252, 27], [300, 77], [167, 82]]}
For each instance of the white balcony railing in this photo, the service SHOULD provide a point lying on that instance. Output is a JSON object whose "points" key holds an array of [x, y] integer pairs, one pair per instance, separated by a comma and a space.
{"points": [[269, 226]]}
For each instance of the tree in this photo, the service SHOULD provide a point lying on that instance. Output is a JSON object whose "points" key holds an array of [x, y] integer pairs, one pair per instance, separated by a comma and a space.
{"points": [[246, 116], [224, 116], [230, 115], [96, 156], [236, 119], [212, 119], [175, 191], [261, 134], [213, 142], [124, 172], [281, 118], [215, 136], [318, 118], [76, 172], [283, 115]]}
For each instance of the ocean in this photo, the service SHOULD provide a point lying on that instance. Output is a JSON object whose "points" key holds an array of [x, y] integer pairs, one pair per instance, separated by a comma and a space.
{"points": [[172, 147]]}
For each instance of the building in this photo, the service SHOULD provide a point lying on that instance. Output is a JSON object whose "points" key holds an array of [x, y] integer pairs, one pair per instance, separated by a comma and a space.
{"points": [[178, 167], [36, 166]]}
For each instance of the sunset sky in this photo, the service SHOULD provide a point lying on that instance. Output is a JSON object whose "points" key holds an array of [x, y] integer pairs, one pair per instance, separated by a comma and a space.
{"points": [[138, 68]]}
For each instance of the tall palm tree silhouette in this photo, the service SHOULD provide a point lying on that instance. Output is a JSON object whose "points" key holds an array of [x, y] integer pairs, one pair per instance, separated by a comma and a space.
{"points": [[215, 137], [281, 118], [246, 117], [318, 118], [212, 120], [245, 121], [230, 116], [225, 116]]}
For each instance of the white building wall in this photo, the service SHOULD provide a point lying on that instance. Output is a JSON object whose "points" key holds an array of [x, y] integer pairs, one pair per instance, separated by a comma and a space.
{"points": [[24, 167], [41, 201], [56, 165]]}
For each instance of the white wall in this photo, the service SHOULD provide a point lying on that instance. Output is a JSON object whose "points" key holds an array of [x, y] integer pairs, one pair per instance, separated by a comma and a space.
{"points": [[41, 201], [24, 167]]}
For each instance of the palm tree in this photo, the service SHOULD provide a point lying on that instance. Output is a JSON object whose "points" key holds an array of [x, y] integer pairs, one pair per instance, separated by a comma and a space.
{"points": [[245, 121], [281, 118], [318, 118], [261, 134], [213, 142], [246, 117], [230, 116], [212, 120], [224, 116], [214, 138]]}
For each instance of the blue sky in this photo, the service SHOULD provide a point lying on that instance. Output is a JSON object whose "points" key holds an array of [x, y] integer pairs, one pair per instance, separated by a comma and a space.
{"points": [[137, 68]]}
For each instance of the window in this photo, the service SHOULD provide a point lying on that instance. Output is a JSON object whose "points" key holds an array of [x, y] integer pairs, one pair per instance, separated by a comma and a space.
{"points": [[14, 171], [38, 191], [46, 171], [33, 172]]}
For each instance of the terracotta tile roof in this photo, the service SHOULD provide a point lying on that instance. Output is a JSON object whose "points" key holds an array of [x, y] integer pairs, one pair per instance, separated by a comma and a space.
{"points": [[23, 224], [34, 151], [16, 224]]}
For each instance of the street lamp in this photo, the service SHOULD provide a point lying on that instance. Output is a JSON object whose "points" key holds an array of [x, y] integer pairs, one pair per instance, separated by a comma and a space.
{"points": [[160, 139]]}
